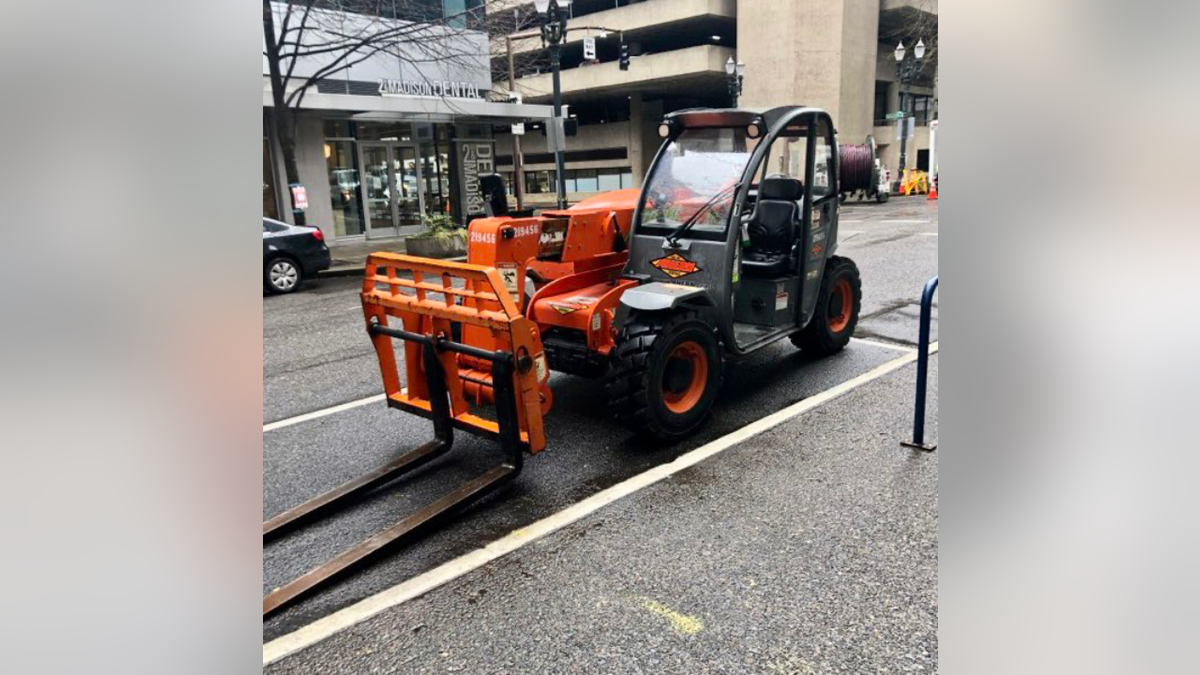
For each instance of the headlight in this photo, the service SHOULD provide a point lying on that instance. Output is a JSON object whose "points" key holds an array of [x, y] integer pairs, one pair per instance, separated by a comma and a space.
{"points": [[753, 131], [664, 130]]}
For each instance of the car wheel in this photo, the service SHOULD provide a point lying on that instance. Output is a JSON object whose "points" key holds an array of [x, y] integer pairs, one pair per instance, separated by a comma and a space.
{"points": [[282, 275]]}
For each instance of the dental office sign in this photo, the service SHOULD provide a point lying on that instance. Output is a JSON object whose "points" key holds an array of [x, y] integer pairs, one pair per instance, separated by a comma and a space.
{"points": [[430, 89], [475, 159]]}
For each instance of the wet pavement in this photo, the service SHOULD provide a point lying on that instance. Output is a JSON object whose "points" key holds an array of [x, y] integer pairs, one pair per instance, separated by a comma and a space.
{"points": [[812, 548]]}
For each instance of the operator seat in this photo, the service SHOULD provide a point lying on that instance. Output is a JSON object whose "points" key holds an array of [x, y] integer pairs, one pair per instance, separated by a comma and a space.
{"points": [[773, 226]]}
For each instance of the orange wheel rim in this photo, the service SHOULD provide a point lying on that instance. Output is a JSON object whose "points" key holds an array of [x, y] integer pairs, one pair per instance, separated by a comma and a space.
{"points": [[685, 377], [841, 306]]}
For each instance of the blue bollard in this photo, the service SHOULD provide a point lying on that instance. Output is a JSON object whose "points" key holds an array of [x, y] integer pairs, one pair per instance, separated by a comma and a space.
{"points": [[918, 441]]}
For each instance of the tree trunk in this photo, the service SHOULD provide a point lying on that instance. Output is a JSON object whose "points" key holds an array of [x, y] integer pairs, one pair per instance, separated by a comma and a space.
{"points": [[282, 119]]}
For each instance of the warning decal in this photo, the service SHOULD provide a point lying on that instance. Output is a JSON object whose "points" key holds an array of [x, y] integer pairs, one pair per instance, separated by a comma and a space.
{"points": [[510, 276]]}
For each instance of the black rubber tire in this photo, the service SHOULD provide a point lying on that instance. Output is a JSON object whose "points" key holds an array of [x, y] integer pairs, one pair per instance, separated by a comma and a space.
{"points": [[818, 338], [882, 197], [276, 290], [635, 384]]}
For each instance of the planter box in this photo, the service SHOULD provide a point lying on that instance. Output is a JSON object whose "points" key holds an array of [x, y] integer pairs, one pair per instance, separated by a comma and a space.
{"points": [[428, 247]]}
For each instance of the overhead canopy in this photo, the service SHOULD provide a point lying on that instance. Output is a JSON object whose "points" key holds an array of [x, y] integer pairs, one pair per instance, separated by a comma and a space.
{"points": [[403, 107]]}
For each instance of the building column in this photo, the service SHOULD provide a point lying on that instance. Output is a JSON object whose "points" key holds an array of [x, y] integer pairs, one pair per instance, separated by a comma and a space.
{"points": [[636, 127], [314, 173]]}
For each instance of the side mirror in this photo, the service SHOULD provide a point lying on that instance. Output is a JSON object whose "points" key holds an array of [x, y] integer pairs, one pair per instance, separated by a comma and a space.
{"points": [[658, 200]]}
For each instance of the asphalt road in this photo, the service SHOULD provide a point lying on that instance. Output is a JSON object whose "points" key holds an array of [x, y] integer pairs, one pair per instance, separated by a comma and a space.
{"points": [[812, 548], [316, 355], [896, 248]]}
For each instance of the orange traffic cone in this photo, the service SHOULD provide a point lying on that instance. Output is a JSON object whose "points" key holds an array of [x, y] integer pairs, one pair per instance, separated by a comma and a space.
{"points": [[933, 191]]}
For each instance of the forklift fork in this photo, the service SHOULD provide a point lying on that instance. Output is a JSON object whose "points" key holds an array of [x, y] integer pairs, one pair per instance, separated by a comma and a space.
{"points": [[516, 419]]}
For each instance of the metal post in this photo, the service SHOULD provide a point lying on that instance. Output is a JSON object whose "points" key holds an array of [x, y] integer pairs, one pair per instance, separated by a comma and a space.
{"points": [[560, 158], [735, 88], [518, 156], [900, 74], [918, 441]]}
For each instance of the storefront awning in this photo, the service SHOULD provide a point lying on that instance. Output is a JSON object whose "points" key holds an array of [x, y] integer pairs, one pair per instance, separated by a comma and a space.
{"points": [[408, 107]]}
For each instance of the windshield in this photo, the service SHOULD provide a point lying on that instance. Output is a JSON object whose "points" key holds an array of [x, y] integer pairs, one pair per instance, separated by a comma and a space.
{"points": [[697, 177]]}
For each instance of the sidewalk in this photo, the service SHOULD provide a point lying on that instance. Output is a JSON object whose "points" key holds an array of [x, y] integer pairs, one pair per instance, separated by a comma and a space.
{"points": [[351, 259], [810, 548]]}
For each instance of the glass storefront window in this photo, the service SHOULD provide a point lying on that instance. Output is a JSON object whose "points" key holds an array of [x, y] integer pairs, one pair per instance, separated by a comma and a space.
{"points": [[338, 129], [341, 160], [435, 172], [610, 179], [586, 181], [401, 132], [577, 180], [270, 209], [536, 183]]}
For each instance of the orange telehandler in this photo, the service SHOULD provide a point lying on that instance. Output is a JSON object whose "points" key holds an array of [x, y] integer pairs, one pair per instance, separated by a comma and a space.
{"points": [[727, 248]]}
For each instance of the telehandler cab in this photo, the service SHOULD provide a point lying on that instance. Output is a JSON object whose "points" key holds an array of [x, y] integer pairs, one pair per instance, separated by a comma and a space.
{"points": [[728, 248], [733, 250]]}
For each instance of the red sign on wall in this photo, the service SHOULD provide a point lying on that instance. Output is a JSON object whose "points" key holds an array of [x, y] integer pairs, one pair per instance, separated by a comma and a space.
{"points": [[300, 197]]}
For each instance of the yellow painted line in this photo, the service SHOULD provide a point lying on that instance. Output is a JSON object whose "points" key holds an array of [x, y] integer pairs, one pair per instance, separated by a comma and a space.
{"points": [[420, 585], [682, 623]]}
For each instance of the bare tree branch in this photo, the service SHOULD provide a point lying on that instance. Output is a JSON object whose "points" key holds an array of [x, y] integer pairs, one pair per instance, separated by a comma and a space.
{"points": [[315, 40]]}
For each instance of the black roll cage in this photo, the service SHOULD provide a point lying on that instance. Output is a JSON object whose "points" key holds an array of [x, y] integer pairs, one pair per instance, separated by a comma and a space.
{"points": [[776, 123]]}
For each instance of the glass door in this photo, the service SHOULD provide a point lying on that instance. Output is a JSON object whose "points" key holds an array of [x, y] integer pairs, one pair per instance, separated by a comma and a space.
{"points": [[377, 188], [391, 189]]}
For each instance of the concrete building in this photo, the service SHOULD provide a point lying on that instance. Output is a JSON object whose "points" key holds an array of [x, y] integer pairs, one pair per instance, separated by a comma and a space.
{"points": [[395, 137], [833, 54]]}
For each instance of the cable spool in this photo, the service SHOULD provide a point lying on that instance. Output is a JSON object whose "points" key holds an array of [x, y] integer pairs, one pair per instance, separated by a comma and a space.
{"points": [[858, 170]]}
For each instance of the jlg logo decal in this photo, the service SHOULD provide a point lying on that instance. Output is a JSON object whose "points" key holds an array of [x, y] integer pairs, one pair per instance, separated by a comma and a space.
{"points": [[675, 266]]}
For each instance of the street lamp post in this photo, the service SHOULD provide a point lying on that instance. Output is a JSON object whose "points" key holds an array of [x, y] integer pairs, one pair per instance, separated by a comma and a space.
{"points": [[553, 15], [904, 72], [736, 73]]}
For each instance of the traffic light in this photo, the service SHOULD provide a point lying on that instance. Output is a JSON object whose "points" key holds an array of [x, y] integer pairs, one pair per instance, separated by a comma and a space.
{"points": [[624, 56]]}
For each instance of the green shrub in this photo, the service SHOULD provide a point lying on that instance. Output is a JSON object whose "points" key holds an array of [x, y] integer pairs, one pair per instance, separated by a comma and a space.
{"points": [[441, 227]]}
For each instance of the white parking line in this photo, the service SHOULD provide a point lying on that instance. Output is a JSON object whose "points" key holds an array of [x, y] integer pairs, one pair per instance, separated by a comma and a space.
{"points": [[322, 413], [418, 586], [885, 345], [929, 234], [905, 222]]}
